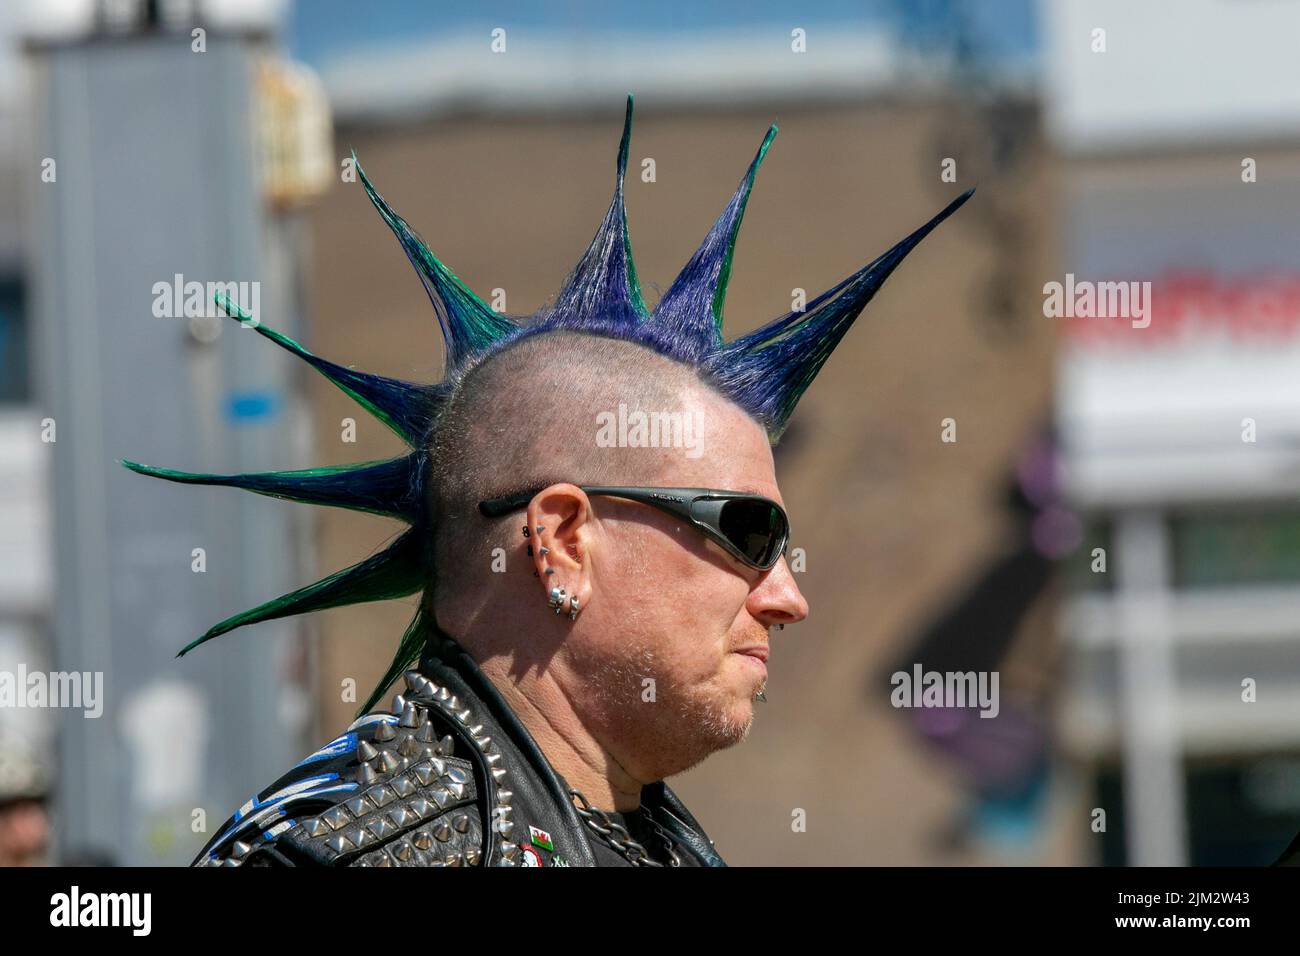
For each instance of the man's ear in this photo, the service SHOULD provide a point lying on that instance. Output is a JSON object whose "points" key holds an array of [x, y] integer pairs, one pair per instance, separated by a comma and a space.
{"points": [[564, 544]]}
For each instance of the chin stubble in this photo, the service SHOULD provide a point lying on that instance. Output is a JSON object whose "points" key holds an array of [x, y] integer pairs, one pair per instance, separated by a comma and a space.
{"points": [[695, 721]]}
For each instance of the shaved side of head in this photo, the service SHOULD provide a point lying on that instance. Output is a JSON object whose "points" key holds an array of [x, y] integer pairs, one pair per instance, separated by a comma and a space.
{"points": [[526, 417]]}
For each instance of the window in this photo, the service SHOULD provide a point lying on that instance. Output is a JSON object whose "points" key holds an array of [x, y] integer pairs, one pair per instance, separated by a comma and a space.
{"points": [[1241, 548], [15, 356]]}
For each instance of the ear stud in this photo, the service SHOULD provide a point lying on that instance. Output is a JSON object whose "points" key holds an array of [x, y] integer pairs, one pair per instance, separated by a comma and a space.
{"points": [[557, 598]]}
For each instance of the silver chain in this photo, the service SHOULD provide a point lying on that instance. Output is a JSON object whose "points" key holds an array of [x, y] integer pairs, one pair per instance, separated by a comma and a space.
{"points": [[615, 835]]}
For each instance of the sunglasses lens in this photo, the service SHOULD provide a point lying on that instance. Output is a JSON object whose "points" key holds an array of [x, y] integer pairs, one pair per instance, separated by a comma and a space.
{"points": [[757, 529]]}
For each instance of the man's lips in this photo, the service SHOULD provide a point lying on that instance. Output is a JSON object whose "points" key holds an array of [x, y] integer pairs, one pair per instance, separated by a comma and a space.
{"points": [[757, 650]]}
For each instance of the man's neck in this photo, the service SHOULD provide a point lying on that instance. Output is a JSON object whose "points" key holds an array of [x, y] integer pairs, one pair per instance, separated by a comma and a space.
{"points": [[542, 707]]}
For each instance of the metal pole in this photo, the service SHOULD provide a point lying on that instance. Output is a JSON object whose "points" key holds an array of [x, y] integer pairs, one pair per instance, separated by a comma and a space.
{"points": [[1154, 800]]}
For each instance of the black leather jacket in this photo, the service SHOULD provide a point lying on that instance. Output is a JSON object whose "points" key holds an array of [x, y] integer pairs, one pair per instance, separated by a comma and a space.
{"points": [[449, 777]]}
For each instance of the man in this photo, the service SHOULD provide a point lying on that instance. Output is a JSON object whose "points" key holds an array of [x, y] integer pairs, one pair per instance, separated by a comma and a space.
{"points": [[599, 537], [26, 771], [24, 817]]}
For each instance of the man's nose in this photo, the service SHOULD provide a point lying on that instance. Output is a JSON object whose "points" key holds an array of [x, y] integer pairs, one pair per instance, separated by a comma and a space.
{"points": [[777, 598]]}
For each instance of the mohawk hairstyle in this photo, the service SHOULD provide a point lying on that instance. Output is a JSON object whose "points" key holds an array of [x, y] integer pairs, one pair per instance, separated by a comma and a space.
{"points": [[765, 373]]}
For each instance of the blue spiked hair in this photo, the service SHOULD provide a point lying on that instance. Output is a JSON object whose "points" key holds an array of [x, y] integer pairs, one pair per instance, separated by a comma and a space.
{"points": [[765, 373]]}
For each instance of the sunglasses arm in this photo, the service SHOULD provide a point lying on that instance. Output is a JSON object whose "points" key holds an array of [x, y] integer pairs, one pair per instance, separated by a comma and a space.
{"points": [[679, 505], [496, 507]]}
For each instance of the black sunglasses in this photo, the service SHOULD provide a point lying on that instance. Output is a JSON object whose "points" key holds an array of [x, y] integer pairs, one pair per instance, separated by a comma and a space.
{"points": [[749, 527]]}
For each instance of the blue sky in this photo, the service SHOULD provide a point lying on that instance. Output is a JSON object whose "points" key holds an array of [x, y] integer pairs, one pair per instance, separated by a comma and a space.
{"points": [[319, 30]]}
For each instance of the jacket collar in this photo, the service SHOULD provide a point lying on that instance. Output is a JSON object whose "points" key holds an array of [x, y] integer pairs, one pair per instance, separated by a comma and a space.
{"points": [[443, 653]]}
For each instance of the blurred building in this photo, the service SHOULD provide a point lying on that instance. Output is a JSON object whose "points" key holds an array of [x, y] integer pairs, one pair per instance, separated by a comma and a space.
{"points": [[1182, 427], [26, 580], [129, 196]]}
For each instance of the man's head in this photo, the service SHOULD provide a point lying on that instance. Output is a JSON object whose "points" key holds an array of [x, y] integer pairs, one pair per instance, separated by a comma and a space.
{"points": [[652, 665], [24, 832]]}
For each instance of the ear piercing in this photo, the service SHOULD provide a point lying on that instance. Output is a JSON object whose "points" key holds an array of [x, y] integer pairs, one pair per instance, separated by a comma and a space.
{"points": [[542, 551], [558, 593], [557, 602]]}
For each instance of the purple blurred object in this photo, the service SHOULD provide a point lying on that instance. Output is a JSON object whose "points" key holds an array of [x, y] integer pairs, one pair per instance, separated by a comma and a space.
{"points": [[993, 753]]}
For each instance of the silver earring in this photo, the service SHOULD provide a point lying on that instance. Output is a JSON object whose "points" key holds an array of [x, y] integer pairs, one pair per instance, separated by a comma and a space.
{"points": [[573, 603], [557, 598]]}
